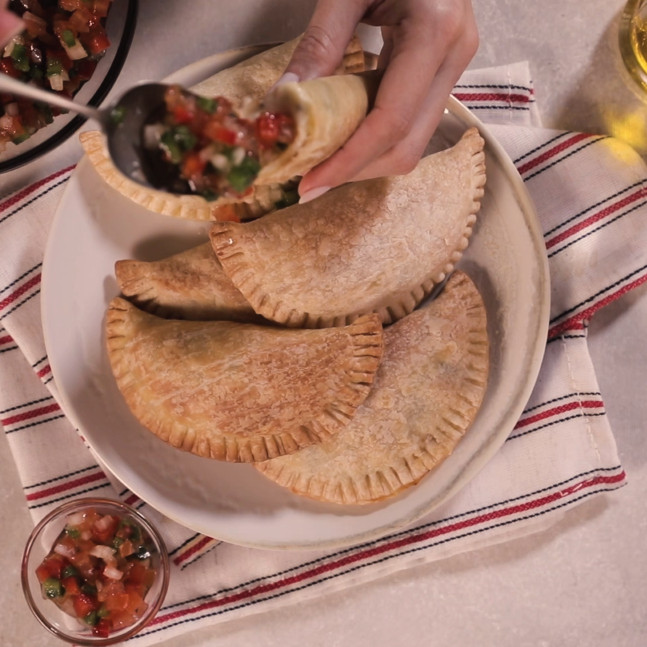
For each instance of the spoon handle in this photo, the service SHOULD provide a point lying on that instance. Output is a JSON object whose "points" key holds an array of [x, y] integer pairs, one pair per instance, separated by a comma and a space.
{"points": [[13, 86]]}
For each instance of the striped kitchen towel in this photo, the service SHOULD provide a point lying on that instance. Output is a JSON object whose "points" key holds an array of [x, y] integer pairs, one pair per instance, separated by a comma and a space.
{"points": [[590, 192]]}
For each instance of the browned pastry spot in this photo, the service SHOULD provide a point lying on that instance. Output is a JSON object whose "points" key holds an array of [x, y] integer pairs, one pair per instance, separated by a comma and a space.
{"points": [[240, 392]]}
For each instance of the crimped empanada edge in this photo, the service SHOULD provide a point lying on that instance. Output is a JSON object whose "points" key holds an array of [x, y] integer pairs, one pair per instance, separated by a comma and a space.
{"points": [[271, 306], [377, 485], [366, 351]]}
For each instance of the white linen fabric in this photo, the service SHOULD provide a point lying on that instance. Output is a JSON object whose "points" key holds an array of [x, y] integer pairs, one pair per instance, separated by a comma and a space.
{"points": [[590, 192]]}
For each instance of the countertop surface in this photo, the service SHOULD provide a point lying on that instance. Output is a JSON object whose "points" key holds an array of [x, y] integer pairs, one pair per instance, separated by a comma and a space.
{"points": [[581, 582]]}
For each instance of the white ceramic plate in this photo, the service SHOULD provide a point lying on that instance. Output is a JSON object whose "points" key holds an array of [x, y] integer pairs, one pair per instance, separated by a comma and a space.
{"points": [[95, 226]]}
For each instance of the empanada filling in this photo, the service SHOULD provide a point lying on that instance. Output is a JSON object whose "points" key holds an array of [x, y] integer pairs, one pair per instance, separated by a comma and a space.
{"points": [[211, 150]]}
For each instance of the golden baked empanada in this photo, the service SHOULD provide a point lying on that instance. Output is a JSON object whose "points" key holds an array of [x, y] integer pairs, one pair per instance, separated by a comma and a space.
{"points": [[373, 246], [244, 83], [187, 285], [239, 392], [426, 393]]}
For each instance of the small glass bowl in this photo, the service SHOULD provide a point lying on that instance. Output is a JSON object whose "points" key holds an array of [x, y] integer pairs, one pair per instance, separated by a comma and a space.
{"points": [[39, 545]]}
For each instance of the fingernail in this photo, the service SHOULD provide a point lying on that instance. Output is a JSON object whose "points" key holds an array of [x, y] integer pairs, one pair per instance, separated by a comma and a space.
{"points": [[288, 77], [313, 193]]}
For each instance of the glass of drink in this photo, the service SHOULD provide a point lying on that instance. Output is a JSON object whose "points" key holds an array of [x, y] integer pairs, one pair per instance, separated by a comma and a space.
{"points": [[633, 41]]}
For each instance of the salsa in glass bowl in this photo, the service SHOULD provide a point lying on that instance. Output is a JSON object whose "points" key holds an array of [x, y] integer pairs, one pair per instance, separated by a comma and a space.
{"points": [[95, 571]]}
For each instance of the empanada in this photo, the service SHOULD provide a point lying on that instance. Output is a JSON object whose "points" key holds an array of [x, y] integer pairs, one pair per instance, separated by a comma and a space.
{"points": [[187, 285], [245, 83], [426, 394], [373, 246], [239, 392]]}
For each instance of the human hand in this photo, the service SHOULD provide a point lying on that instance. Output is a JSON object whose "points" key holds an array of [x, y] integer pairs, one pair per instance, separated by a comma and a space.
{"points": [[427, 45], [10, 24]]}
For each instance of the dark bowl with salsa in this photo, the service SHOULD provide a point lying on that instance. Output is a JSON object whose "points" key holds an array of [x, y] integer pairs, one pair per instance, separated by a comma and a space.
{"points": [[95, 571], [71, 47]]}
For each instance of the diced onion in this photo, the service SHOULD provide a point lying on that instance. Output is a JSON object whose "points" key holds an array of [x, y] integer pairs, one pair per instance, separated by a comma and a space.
{"points": [[103, 552], [76, 519], [56, 82], [238, 155], [35, 25], [9, 47], [103, 523], [220, 162], [76, 52], [152, 135], [112, 572], [65, 551], [11, 109]]}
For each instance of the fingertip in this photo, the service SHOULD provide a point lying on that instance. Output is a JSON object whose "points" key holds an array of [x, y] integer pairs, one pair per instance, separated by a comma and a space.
{"points": [[10, 26], [288, 77], [312, 194]]}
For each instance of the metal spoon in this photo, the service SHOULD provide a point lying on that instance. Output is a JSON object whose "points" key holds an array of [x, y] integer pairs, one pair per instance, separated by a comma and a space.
{"points": [[122, 122]]}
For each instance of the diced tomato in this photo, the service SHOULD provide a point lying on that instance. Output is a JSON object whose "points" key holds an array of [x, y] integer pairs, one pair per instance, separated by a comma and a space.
{"points": [[272, 128], [182, 114], [139, 574], [84, 604], [82, 20], [100, 7], [133, 611], [96, 42], [51, 566], [71, 585], [267, 129], [71, 5], [85, 68], [114, 597], [103, 529], [7, 67], [228, 213], [216, 132], [35, 25], [193, 165], [102, 628]]}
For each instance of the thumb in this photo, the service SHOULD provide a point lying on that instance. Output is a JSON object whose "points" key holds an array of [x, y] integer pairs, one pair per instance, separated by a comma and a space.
{"points": [[10, 25], [322, 45]]}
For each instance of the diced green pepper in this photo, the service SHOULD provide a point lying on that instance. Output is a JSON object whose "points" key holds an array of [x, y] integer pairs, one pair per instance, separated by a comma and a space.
{"points": [[70, 571], [135, 533], [290, 196], [53, 588], [68, 37], [117, 114], [209, 195], [103, 612], [177, 141], [73, 532], [241, 176], [20, 58], [170, 145], [185, 139], [207, 104], [54, 67], [92, 618]]}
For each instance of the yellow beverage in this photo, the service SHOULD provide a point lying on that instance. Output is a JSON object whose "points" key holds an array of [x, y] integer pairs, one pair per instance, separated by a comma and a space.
{"points": [[633, 41]]}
